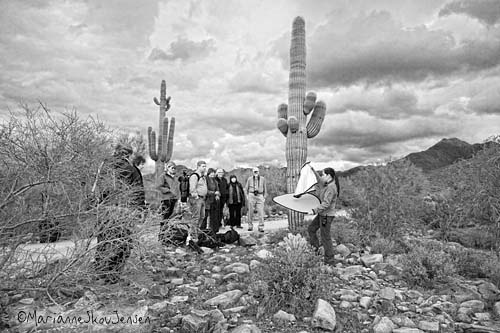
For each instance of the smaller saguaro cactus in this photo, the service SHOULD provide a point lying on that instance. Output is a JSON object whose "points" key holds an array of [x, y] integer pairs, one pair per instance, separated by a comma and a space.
{"points": [[165, 142], [166, 134]]}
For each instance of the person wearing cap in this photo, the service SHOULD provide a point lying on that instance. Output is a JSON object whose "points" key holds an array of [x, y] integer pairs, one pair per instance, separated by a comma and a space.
{"points": [[256, 193], [168, 187]]}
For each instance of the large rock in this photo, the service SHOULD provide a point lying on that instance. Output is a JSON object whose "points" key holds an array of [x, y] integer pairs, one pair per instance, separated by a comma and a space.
{"points": [[407, 330], [385, 325], [225, 299], [324, 316], [371, 259]]}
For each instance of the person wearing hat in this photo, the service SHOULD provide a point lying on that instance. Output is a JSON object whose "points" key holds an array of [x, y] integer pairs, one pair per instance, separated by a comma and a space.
{"points": [[256, 193]]}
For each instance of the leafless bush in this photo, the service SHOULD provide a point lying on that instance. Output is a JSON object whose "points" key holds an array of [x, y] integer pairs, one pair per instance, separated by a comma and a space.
{"points": [[57, 181]]}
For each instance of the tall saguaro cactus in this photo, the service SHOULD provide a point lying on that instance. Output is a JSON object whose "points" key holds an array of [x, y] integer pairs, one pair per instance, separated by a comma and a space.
{"points": [[292, 118], [165, 135]]}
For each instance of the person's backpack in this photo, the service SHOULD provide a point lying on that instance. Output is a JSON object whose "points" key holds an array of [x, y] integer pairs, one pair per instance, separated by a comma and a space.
{"points": [[184, 186], [207, 238], [229, 237], [188, 178]]}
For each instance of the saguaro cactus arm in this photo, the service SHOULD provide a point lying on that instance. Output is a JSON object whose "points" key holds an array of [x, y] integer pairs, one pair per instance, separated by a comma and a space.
{"points": [[152, 144], [317, 117], [282, 119], [309, 103], [167, 139]]}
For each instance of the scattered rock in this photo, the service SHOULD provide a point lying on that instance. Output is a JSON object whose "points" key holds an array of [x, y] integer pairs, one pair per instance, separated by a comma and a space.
{"points": [[343, 250], [371, 259], [283, 316], [385, 325], [247, 240], [264, 254], [225, 299], [246, 328], [324, 316], [428, 326], [238, 267]]}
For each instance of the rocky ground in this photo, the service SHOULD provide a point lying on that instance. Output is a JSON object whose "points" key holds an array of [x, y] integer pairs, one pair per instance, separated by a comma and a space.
{"points": [[176, 290]]}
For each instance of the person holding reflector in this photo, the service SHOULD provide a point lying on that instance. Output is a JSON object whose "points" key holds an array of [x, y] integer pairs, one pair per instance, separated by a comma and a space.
{"points": [[316, 193]]}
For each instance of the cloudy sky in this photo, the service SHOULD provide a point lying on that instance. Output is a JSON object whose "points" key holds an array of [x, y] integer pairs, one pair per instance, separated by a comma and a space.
{"points": [[396, 75]]}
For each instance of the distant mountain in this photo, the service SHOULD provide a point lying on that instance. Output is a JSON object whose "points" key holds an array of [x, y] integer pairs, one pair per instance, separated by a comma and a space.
{"points": [[442, 154]]}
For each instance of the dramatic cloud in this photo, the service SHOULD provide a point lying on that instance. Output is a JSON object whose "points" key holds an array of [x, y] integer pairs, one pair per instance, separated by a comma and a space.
{"points": [[361, 130], [375, 48], [184, 49], [487, 101], [396, 76], [486, 11]]}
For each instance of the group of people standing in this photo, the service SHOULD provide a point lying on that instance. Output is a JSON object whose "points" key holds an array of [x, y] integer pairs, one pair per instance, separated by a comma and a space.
{"points": [[204, 193], [207, 192]]}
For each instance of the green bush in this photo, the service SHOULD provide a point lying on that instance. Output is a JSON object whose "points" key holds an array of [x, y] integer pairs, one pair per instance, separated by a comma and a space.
{"points": [[387, 246], [291, 280], [387, 199], [477, 264], [473, 193], [427, 265]]}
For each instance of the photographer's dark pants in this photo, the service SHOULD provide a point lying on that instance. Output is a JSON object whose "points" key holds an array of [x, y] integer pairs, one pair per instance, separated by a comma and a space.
{"points": [[112, 251], [167, 209], [323, 223]]}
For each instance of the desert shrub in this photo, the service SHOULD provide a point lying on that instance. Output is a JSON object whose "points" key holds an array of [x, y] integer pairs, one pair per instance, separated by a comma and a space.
{"points": [[472, 264], [474, 192], [426, 265], [291, 280], [386, 199], [344, 231], [387, 246], [56, 180]]}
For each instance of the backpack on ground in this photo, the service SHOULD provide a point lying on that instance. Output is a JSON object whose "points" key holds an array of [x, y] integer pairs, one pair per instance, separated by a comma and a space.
{"points": [[207, 238], [229, 237]]}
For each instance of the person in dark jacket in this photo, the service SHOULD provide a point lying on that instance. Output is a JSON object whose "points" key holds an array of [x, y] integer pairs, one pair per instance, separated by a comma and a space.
{"points": [[212, 202], [235, 201], [169, 194], [184, 186], [223, 189], [114, 240], [138, 182]]}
